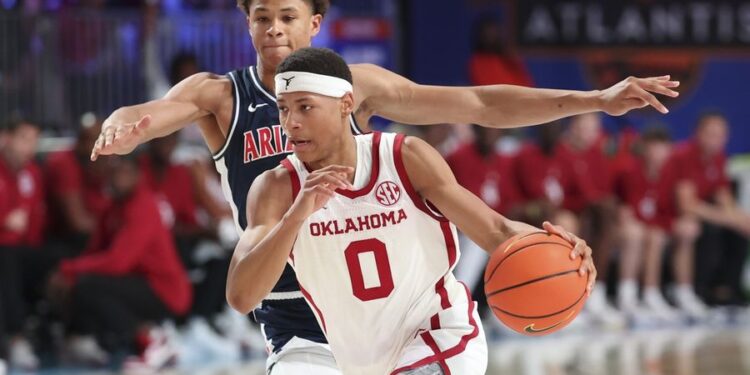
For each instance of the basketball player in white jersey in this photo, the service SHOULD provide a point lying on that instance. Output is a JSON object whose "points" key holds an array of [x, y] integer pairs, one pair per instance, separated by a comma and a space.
{"points": [[235, 113], [367, 223]]}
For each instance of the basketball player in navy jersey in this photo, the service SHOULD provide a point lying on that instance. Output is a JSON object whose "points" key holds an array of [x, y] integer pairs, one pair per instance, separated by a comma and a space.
{"points": [[341, 200], [238, 117]]}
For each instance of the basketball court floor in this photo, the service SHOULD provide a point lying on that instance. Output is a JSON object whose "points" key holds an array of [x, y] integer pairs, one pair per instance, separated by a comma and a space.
{"points": [[707, 349]]}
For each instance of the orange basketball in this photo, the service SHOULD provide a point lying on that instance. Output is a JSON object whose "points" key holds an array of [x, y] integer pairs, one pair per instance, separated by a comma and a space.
{"points": [[533, 286]]}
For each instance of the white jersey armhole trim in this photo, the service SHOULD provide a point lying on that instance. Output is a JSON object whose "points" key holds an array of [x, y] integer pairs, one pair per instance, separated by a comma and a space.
{"points": [[258, 85], [355, 127], [221, 167], [235, 118]]}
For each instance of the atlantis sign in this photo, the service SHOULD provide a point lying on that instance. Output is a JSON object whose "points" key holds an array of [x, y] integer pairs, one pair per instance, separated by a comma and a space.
{"points": [[638, 23]]}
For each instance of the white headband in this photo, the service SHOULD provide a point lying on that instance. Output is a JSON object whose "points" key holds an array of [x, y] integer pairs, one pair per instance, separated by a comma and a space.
{"points": [[311, 82]]}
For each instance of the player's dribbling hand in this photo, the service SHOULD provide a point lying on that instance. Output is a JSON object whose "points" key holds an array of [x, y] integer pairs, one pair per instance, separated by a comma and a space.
{"points": [[120, 138], [632, 93], [319, 188], [580, 248]]}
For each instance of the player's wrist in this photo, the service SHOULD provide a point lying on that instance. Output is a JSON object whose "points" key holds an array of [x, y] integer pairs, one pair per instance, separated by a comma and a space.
{"points": [[595, 100], [294, 217]]}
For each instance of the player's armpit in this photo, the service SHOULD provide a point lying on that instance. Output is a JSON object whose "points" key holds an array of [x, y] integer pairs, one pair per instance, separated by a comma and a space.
{"points": [[262, 252], [433, 180]]}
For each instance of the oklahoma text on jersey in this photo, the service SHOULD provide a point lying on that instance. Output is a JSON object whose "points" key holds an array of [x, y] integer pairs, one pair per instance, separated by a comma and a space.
{"points": [[357, 224]]}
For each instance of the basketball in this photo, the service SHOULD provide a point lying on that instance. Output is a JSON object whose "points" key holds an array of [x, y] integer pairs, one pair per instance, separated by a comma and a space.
{"points": [[533, 286]]}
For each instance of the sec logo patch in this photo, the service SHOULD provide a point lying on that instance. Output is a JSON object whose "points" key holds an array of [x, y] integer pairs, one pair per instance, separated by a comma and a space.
{"points": [[388, 193]]}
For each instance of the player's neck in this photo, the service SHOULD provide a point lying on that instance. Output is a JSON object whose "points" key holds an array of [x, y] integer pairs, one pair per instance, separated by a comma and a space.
{"points": [[344, 154], [267, 74]]}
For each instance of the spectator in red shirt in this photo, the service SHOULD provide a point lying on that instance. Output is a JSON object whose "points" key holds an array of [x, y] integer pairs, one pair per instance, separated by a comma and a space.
{"points": [[492, 61], [21, 223], [703, 193], [76, 187], [645, 221], [129, 276], [544, 181], [172, 184], [592, 197], [481, 169], [485, 172]]}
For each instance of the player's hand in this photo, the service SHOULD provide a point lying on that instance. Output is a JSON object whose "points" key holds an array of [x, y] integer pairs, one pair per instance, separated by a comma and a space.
{"points": [[120, 138], [319, 188], [580, 248], [632, 93]]}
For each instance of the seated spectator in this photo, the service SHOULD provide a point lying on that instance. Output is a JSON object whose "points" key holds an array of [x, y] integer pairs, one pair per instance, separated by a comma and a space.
{"points": [[21, 226], [592, 197], [704, 195], [544, 181], [173, 186], [129, 277], [76, 187], [645, 222], [489, 175]]}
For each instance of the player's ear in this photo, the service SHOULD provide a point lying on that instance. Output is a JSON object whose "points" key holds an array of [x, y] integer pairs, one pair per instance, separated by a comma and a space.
{"points": [[316, 20], [347, 104]]}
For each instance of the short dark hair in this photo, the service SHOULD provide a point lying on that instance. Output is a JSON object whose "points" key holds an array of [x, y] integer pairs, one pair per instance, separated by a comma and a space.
{"points": [[316, 60], [655, 133], [317, 6], [14, 122], [180, 59], [706, 115]]}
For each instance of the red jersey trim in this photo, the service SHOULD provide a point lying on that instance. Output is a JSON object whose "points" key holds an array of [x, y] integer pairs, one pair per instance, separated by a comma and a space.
{"points": [[374, 172], [430, 341], [293, 176], [441, 356], [445, 303], [404, 177], [317, 310]]}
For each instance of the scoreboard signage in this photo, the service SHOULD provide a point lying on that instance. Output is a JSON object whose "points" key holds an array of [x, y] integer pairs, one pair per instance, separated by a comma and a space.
{"points": [[644, 23]]}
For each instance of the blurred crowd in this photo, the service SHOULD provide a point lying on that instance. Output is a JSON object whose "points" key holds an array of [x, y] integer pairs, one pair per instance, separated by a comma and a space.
{"points": [[36, 6], [96, 256], [669, 239]]}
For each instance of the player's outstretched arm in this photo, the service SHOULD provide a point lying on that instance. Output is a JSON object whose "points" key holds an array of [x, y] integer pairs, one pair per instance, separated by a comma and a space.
{"points": [[389, 95], [433, 180], [273, 223], [192, 99]]}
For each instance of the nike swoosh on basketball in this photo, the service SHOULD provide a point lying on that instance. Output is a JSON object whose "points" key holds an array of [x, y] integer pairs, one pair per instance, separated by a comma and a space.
{"points": [[532, 329], [250, 108]]}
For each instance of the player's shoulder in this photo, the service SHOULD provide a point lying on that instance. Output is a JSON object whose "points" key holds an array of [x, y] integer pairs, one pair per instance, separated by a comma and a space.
{"points": [[272, 184], [207, 90], [205, 84], [365, 68], [366, 75], [415, 147]]}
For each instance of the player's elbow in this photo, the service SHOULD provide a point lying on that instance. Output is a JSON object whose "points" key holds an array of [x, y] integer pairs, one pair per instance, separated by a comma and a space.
{"points": [[241, 302]]}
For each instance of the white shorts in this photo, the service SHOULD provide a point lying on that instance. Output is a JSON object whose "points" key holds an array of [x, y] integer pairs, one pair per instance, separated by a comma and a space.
{"points": [[450, 346], [443, 346], [300, 356]]}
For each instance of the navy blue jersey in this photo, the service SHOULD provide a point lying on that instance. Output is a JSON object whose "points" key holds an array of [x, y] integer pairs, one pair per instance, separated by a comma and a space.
{"points": [[256, 143]]}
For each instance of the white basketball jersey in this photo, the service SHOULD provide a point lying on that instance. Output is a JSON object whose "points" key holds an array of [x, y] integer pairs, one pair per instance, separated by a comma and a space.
{"points": [[375, 263]]}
